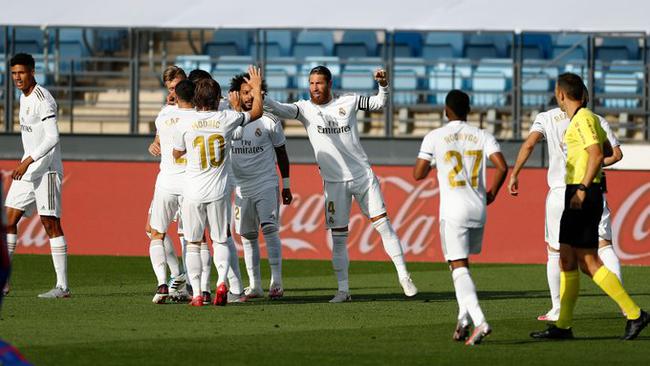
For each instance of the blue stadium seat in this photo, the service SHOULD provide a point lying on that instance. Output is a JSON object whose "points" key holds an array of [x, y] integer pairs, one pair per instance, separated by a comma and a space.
{"points": [[110, 40], [71, 51], [441, 81], [630, 67], [229, 66], [348, 50], [367, 38], [499, 41], [401, 50], [480, 51], [358, 77], [28, 40], [240, 38], [631, 44], [408, 43], [563, 42], [286, 64], [611, 53], [325, 38], [454, 39], [277, 82], [305, 50], [540, 41], [567, 53], [414, 64], [405, 85], [273, 50], [502, 65], [627, 85], [535, 86], [434, 52], [488, 89], [283, 38], [529, 52], [215, 50], [191, 62]]}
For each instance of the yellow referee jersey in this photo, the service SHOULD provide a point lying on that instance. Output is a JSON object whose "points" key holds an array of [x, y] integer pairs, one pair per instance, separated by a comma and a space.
{"points": [[583, 131]]}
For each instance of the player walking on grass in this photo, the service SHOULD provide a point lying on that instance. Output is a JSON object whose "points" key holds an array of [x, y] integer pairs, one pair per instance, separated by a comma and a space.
{"points": [[551, 125], [331, 125], [37, 180], [459, 150], [583, 209], [254, 154], [206, 138]]}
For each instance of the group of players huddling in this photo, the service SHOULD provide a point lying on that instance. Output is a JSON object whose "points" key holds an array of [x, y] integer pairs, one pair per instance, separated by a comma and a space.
{"points": [[212, 149]]}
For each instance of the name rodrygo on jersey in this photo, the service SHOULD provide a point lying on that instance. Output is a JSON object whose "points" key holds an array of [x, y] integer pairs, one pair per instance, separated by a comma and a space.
{"points": [[459, 152]]}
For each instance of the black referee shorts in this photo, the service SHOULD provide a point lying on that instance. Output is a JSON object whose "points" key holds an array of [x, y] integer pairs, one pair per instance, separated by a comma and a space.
{"points": [[579, 227]]}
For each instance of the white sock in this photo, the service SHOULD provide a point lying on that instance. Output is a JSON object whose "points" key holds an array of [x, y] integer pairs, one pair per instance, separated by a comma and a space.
{"points": [[171, 258], [274, 251], [234, 275], [12, 239], [59, 251], [392, 245], [466, 294], [611, 261], [340, 260], [193, 261], [252, 260], [206, 267], [157, 256], [553, 277], [183, 252], [221, 256]]}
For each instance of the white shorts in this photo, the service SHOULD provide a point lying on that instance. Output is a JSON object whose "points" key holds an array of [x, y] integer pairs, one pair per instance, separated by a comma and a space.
{"points": [[44, 194], [605, 226], [197, 216], [164, 208], [554, 209], [338, 200], [262, 208], [459, 242]]}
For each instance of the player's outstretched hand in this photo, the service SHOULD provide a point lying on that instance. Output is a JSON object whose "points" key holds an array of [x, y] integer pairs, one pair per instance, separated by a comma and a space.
{"points": [[287, 197], [513, 185], [235, 102], [380, 76], [154, 149], [255, 79]]}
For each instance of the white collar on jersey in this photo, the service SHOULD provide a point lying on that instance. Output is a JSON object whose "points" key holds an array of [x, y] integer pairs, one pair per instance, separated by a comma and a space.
{"points": [[455, 122]]}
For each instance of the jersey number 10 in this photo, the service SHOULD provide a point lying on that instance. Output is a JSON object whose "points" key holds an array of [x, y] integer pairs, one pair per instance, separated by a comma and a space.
{"points": [[458, 167], [208, 153]]}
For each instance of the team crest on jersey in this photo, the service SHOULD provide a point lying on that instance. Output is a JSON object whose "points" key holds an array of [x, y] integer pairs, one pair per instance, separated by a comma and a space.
{"points": [[258, 132], [341, 112]]}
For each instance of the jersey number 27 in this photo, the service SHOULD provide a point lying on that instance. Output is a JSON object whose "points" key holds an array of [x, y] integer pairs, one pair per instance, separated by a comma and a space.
{"points": [[458, 167]]}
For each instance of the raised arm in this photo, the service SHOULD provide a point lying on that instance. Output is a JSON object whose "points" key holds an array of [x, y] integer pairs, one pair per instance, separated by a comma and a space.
{"points": [[281, 110], [524, 153], [255, 81], [376, 102]]}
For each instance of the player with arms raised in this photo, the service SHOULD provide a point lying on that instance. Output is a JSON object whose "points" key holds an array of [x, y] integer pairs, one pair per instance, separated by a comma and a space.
{"points": [[331, 125], [205, 138], [459, 151]]}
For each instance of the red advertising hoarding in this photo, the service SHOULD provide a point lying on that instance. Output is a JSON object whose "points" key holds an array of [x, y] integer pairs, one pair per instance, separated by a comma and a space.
{"points": [[105, 206]]}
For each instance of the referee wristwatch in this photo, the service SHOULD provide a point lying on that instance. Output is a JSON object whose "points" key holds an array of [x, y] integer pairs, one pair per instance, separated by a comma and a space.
{"points": [[582, 187]]}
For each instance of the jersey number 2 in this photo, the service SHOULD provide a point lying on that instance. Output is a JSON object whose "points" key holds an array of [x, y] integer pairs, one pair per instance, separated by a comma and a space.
{"points": [[208, 152], [458, 167]]}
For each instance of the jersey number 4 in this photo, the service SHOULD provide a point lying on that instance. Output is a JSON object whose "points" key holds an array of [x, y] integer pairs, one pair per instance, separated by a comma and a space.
{"points": [[458, 167], [208, 151]]}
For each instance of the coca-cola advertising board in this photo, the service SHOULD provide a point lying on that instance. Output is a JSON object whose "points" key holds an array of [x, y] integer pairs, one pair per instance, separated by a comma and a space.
{"points": [[105, 207]]}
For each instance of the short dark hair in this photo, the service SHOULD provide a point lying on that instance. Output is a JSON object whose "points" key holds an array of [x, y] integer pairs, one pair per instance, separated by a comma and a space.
{"points": [[185, 90], [572, 85], [24, 59], [198, 74], [238, 80], [173, 72], [458, 102], [207, 94], [322, 70], [585, 97]]}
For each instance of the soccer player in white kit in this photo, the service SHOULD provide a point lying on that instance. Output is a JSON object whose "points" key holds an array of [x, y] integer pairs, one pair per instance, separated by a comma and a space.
{"points": [[551, 125], [459, 152], [206, 139], [38, 178], [331, 125], [254, 153], [168, 193]]}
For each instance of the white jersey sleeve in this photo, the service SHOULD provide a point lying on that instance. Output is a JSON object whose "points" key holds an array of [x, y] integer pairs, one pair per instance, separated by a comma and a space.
{"points": [[179, 139], [282, 110], [374, 103], [611, 136], [539, 124], [491, 145], [276, 133], [234, 119], [427, 149]]}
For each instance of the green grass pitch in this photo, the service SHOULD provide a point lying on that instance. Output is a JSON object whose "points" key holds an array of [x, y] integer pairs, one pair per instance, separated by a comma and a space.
{"points": [[110, 319]]}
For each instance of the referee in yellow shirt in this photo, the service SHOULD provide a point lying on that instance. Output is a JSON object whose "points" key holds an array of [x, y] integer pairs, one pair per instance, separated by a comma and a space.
{"points": [[583, 207]]}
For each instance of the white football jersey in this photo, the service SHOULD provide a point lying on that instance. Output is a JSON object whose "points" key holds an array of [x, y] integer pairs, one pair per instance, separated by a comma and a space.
{"points": [[170, 177], [206, 136], [332, 131], [40, 133], [460, 152], [553, 124], [253, 155]]}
